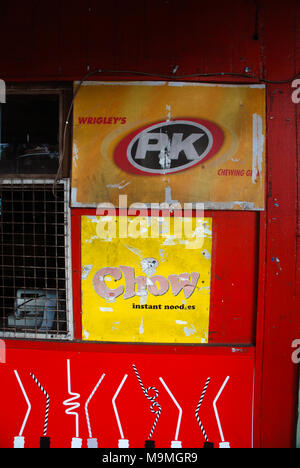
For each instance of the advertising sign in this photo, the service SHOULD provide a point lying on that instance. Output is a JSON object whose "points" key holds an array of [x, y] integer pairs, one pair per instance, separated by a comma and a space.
{"points": [[162, 142], [63, 398], [149, 283]]}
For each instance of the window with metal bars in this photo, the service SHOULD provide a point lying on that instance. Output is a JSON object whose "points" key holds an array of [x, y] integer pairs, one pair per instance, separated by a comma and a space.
{"points": [[29, 134], [34, 259]]}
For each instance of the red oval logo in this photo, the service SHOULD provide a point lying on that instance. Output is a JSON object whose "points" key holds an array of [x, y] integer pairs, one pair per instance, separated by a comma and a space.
{"points": [[168, 147]]}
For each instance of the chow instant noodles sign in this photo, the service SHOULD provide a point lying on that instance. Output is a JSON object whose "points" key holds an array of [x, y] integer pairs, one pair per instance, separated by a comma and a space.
{"points": [[146, 289], [163, 141]]}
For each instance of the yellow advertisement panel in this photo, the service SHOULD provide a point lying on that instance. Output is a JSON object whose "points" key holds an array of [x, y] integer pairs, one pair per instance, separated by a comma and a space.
{"points": [[165, 142], [146, 279]]}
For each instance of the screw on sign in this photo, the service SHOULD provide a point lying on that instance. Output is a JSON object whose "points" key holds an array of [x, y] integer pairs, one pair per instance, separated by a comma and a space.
{"points": [[123, 443], [207, 444], [296, 93]]}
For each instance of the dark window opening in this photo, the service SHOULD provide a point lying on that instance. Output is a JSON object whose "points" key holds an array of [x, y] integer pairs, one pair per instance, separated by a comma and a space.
{"points": [[29, 134]]}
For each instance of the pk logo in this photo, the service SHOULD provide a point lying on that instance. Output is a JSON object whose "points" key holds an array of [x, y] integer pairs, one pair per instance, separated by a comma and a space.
{"points": [[168, 146]]}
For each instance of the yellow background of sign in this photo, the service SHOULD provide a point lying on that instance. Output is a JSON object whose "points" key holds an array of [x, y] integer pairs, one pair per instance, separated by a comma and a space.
{"points": [[117, 320], [96, 178]]}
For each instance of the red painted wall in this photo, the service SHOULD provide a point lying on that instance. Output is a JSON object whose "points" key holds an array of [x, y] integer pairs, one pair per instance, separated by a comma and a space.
{"points": [[56, 40]]}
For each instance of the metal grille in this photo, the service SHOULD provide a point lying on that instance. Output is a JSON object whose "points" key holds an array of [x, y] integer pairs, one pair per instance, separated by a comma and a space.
{"points": [[34, 258]]}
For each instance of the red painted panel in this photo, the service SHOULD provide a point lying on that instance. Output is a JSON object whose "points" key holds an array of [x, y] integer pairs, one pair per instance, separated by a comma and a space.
{"points": [[297, 53], [101, 34], [129, 35], [69, 378], [260, 328]]}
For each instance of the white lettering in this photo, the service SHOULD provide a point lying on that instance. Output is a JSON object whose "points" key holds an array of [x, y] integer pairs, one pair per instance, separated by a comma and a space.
{"points": [[296, 353], [2, 92]]}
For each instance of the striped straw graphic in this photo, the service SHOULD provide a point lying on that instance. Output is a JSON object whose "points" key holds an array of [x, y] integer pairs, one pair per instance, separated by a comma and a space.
{"points": [[151, 398], [47, 403], [177, 405], [198, 407]]}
